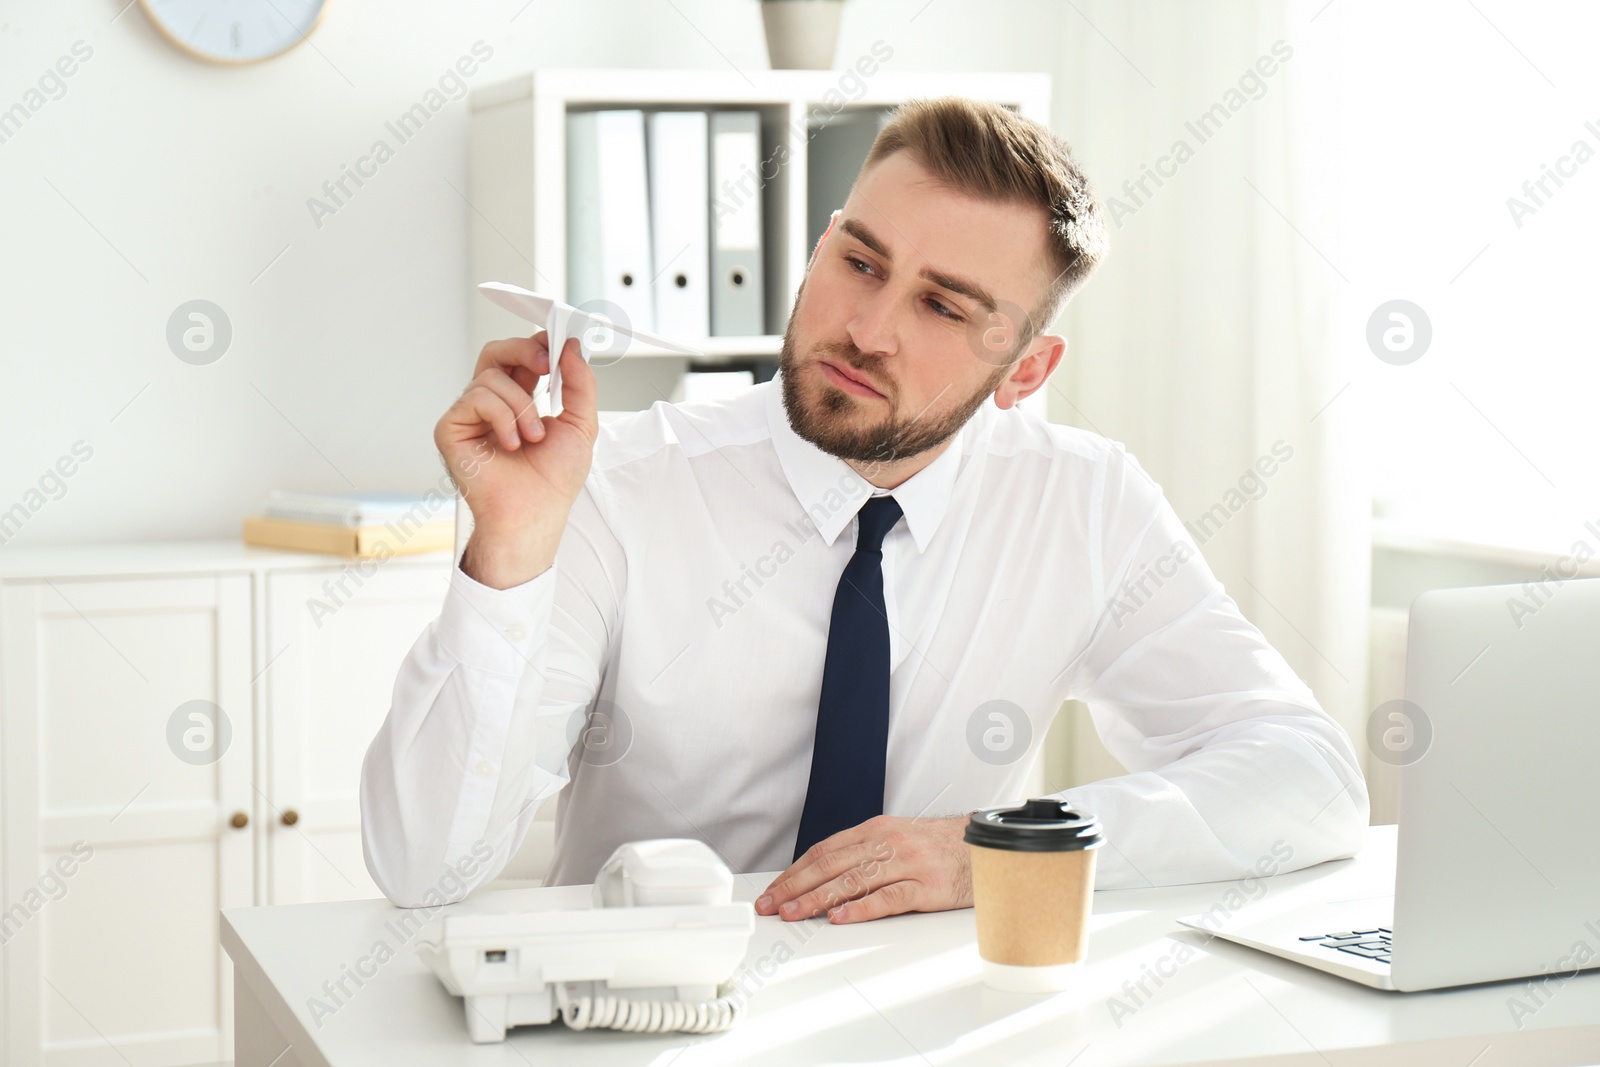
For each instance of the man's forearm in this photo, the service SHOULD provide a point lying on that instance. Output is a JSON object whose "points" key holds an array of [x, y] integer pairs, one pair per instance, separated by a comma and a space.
{"points": [[455, 759], [1284, 792]]}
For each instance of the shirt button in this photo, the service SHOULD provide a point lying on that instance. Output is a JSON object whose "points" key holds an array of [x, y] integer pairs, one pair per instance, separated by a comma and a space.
{"points": [[516, 631], [484, 768]]}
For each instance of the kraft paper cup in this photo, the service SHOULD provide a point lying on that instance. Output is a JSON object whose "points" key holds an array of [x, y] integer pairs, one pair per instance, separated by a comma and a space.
{"points": [[1032, 889]]}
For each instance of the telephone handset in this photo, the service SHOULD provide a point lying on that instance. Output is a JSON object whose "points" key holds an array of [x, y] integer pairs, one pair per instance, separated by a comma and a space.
{"points": [[657, 951]]}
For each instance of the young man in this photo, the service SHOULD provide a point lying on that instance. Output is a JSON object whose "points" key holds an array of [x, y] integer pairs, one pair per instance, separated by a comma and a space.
{"points": [[817, 624]]}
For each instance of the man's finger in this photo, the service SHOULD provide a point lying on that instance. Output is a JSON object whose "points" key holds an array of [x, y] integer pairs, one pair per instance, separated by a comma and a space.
{"points": [[819, 863], [895, 898], [845, 871], [530, 352], [526, 379], [857, 881], [516, 398], [480, 412], [579, 393]]}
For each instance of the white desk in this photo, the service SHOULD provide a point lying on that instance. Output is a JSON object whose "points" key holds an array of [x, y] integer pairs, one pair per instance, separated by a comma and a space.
{"points": [[905, 990]]}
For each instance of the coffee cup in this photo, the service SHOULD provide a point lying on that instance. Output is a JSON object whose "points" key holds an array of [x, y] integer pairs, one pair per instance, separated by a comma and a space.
{"points": [[1032, 888]]}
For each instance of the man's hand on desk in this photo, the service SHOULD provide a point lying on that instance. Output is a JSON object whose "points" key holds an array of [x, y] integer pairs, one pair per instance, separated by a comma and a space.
{"points": [[884, 866]]}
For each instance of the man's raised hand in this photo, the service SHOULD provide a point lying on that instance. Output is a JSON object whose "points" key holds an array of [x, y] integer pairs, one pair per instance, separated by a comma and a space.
{"points": [[519, 471]]}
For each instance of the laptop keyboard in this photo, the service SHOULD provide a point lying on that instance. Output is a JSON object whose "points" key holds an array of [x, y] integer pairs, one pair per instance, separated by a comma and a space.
{"points": [[1370, 944]]}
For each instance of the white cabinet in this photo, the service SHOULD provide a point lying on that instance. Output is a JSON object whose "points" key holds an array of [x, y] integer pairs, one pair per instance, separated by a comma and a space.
{"points": [[325, 695], [122, 942], [131, 811]]}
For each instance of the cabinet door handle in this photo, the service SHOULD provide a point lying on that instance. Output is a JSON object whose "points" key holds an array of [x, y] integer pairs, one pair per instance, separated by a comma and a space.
{"points": [[239, 821], [289, 817]]}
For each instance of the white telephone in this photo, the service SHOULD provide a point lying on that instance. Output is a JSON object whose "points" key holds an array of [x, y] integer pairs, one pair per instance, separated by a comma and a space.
{"points": [[657, 951]]}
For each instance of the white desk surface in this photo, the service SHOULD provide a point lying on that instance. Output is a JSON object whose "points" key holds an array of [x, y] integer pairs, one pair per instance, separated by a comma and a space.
{"points": [[905, 990]]}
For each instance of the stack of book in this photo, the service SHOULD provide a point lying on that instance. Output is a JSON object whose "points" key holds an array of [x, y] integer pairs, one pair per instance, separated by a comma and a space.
{"points": [[354, 524]]}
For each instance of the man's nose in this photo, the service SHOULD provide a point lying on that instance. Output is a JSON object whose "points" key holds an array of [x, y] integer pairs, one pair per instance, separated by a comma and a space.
{"points": [[876, 325]]}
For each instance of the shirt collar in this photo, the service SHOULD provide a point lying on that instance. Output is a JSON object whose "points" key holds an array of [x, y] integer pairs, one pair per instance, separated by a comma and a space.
{"points": [[831, 492]]}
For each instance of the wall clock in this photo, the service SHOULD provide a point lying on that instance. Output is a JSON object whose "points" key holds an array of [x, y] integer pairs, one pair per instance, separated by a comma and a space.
{"points": [[234, 31]]}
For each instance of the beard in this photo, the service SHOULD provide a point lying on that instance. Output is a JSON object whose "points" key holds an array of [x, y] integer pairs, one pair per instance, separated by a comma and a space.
{"points": [[833, 420]]}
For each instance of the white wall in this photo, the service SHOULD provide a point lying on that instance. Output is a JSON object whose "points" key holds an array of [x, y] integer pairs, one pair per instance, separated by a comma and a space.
{"points": [[156, 179]]}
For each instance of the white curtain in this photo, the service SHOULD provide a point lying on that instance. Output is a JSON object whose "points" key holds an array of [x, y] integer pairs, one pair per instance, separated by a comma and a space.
{"points": [[1203, 344]]}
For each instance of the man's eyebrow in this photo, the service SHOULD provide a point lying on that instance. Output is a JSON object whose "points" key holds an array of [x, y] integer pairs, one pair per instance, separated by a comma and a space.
{"points": [[858, 229], [956, 284], [972, 290]]}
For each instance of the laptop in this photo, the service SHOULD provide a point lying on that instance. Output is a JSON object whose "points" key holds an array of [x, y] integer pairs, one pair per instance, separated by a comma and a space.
{"points": [[1497, 872]]}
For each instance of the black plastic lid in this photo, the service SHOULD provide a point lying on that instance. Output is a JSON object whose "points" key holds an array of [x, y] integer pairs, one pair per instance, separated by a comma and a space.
{"points": [[1041, 825]]}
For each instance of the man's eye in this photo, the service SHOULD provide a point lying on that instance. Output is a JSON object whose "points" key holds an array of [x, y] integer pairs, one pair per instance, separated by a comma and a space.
{"points": [[941, 310], [855, 263]]}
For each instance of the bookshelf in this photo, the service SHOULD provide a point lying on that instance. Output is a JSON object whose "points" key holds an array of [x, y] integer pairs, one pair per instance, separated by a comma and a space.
{"points": [[517, 181]]}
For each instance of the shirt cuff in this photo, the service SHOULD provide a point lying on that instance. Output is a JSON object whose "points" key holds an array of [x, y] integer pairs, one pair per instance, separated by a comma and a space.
{"points": [[495, 630]]}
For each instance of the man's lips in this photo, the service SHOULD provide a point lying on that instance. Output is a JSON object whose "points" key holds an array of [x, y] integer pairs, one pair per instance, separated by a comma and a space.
{"points": [[848, 380]]}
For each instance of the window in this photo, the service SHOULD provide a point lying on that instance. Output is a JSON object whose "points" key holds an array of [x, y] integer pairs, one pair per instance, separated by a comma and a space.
{"points": [[1467, 137]]}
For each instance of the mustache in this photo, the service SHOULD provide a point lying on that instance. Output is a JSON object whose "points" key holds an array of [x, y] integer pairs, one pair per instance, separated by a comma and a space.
{"points": [[848, 354]]}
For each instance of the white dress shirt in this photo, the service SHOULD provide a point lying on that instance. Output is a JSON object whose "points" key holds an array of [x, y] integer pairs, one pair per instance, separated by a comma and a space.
{"points": [[665, 671]]}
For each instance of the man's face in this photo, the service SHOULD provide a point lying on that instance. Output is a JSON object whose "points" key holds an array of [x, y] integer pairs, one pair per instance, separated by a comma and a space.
{"points": [[906, 320]]}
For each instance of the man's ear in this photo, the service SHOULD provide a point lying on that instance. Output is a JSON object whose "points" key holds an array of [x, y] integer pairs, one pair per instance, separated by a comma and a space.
{"points": [[1029, 373], [831, 220]]}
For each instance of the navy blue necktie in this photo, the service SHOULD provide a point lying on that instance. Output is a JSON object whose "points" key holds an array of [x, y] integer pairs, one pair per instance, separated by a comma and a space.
{"points": [[847, 758]]}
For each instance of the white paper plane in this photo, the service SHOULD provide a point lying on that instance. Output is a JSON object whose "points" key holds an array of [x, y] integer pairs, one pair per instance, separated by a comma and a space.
{"points": [[561, 321]]}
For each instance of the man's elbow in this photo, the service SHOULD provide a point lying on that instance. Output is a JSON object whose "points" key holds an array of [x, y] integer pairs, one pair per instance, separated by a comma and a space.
{"points": [[411, 880], [1349, 831], [1337, 829], [405, 851]]}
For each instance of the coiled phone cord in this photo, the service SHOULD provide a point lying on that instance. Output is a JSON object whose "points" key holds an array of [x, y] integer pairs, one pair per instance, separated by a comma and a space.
{"points": [[647, 1016]]}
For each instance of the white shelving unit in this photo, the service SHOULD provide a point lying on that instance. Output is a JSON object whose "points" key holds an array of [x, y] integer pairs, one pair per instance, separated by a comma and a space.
{"points": [[518, 169]]}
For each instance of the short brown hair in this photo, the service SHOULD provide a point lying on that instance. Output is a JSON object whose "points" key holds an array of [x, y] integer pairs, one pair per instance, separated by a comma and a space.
{"points": [[988, 151]]}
